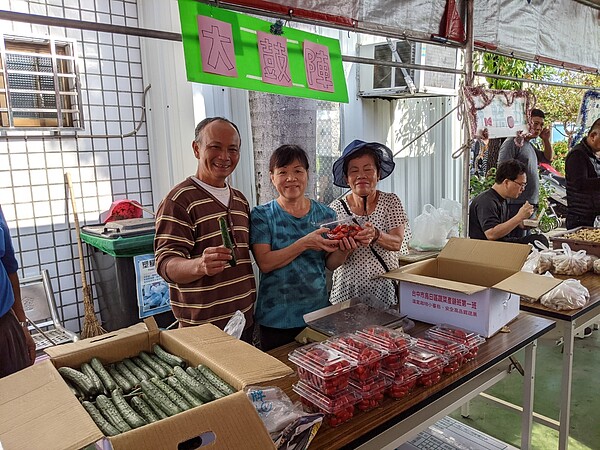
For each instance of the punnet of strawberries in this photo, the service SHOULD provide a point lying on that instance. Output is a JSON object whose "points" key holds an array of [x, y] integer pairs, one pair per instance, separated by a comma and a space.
{"points": [[368, 357], [322, 367], [472, 341], [371, 392], [403, 381], [430, 363], [393, 341], [338, 408]]}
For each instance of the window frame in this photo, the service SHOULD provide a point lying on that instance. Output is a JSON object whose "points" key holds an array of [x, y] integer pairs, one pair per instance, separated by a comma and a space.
{"points": [[67, 111]]}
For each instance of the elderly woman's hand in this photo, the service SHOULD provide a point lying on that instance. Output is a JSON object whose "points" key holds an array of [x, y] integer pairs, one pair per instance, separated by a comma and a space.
{"points": [[316, 241], [347, 244], [366, 235]]}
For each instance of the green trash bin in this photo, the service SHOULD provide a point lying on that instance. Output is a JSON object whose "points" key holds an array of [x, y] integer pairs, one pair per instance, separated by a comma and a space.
{"points": [[112, 248]]}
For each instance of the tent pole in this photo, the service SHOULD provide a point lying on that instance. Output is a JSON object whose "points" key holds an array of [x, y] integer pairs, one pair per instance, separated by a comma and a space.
{"points": [[466, 149]]}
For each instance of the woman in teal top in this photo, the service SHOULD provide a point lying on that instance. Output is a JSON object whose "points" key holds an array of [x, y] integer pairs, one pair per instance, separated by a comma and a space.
{"points": [[291, 251]]}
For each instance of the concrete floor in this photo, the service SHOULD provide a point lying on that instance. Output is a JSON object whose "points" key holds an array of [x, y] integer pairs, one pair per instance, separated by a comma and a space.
{"points": [[585, 403]]}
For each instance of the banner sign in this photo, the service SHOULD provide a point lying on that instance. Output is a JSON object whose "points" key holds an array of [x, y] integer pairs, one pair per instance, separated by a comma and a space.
{"points": [[503, 113], [226, 48], [589, 112]]}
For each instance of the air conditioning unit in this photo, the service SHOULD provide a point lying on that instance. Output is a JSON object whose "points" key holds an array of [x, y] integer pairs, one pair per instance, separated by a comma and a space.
{"points": [[390, 82]]}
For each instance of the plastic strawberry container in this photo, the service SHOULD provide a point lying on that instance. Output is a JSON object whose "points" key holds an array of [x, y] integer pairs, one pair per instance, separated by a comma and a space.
{"points": [[343, 228], [430, 363], [453, 350], [402, 381], [338, 408], [393, 341], [321, 366], [371, 392], [368, 356], [472, 341]]}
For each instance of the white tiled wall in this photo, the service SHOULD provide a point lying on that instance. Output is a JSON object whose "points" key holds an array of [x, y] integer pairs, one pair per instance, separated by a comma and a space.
{"points": [[32, 188]]}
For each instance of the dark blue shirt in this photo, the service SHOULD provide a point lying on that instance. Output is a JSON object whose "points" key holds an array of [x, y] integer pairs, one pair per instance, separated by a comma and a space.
{"points": [[8, 265]]}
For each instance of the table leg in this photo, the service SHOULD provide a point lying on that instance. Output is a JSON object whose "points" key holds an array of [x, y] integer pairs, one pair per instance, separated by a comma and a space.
{"points": [[567, 375], [528, 391]]}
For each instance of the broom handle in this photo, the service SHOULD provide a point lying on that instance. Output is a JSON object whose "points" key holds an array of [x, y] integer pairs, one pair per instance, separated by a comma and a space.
{"points": [[77, 230]]}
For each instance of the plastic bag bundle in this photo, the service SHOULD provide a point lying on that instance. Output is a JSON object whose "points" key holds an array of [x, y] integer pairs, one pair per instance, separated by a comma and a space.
{"points": [[597, 266], [591, 260], [570, 262], [454, 210], [430, 229], [235, 326], [570, 294], [287, 423], [539, 260]]}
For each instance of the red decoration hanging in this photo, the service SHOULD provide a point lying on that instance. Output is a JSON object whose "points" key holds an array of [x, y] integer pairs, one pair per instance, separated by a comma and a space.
{"points": [[451, 25]]}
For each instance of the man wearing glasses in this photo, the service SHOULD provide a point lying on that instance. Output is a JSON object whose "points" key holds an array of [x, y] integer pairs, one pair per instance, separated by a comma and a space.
{"points": [[208, 282], [529, 154], [489, 218]]}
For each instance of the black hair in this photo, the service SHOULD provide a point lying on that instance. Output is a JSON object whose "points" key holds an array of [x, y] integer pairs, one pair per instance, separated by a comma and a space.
{"points": [[538, 113], [366, 150], [595, 126], [287, 154], [204, 123], [509, 170]]}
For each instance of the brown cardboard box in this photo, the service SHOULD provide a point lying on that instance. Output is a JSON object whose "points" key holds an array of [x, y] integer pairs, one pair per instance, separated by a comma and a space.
{"points": [[472, 284], [38, 411]]}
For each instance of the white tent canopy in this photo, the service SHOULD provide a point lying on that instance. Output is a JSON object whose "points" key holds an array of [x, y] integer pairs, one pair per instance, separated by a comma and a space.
{"points": [[558, 32]]}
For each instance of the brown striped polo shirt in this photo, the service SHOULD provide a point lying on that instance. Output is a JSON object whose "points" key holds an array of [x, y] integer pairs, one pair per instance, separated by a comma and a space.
{"points": [[186, 224]]}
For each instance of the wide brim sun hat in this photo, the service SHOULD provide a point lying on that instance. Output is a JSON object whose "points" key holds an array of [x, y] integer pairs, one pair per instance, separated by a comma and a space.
{"points": [[385, 155]]}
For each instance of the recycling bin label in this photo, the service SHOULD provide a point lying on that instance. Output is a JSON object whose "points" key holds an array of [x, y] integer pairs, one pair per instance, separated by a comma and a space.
{"points": [[152, 290]]}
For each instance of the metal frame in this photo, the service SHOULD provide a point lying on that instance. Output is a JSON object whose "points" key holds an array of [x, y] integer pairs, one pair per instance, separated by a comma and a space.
{"points": [[410, 427], [565, 330], [71, 56]]}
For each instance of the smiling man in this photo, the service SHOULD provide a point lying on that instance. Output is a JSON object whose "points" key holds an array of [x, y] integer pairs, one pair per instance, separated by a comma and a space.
{"points": [[489, 217], [208, 282]]}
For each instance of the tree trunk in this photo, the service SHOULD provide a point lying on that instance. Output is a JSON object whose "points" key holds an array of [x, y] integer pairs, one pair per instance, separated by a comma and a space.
{"points": [[277, 120]]}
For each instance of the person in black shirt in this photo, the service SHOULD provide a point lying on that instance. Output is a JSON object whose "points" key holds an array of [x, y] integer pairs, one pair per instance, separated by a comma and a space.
{"points": [[582, 171], [488, 213]]}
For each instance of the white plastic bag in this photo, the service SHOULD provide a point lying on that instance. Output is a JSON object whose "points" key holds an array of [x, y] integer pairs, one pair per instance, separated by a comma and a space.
{"points": [[539, 260], [454, 210], [235, 326], [430, 229], [273, 406], [570, 262], [570, 294]]}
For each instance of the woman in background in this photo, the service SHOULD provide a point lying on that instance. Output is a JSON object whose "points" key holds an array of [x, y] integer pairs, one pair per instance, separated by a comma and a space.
{"points": [[360, 168]]}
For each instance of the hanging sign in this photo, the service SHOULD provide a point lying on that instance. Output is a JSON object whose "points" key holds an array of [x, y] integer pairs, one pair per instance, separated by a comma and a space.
{"points": [[226, 48], [589, 112], [503, 113]]}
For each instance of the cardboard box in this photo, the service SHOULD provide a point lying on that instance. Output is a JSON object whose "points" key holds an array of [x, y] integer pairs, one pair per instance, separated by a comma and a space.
{"points": [[473, 284], [38, 411]]}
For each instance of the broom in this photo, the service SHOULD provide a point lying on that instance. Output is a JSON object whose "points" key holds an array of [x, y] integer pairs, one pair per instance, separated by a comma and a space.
{"points": [[91, 326]]}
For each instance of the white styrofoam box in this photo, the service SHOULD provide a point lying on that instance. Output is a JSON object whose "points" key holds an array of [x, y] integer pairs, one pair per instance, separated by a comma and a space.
{"points": [[484, 312]]}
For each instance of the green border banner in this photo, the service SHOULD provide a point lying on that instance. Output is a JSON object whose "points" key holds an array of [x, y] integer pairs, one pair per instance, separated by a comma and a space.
{"points": [[247, 58]]}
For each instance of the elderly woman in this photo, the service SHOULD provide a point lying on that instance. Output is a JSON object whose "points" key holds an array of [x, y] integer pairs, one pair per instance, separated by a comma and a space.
{"points": [[291, 251], [360, 167]]}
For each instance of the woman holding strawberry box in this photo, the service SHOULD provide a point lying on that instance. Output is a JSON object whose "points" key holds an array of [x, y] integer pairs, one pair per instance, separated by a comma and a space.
{"points": [[360, 168], [291, 252]]}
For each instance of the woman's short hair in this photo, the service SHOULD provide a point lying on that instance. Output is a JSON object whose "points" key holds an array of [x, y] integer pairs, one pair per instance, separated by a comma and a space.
{"points": [[287, 154], [509, 170]]}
